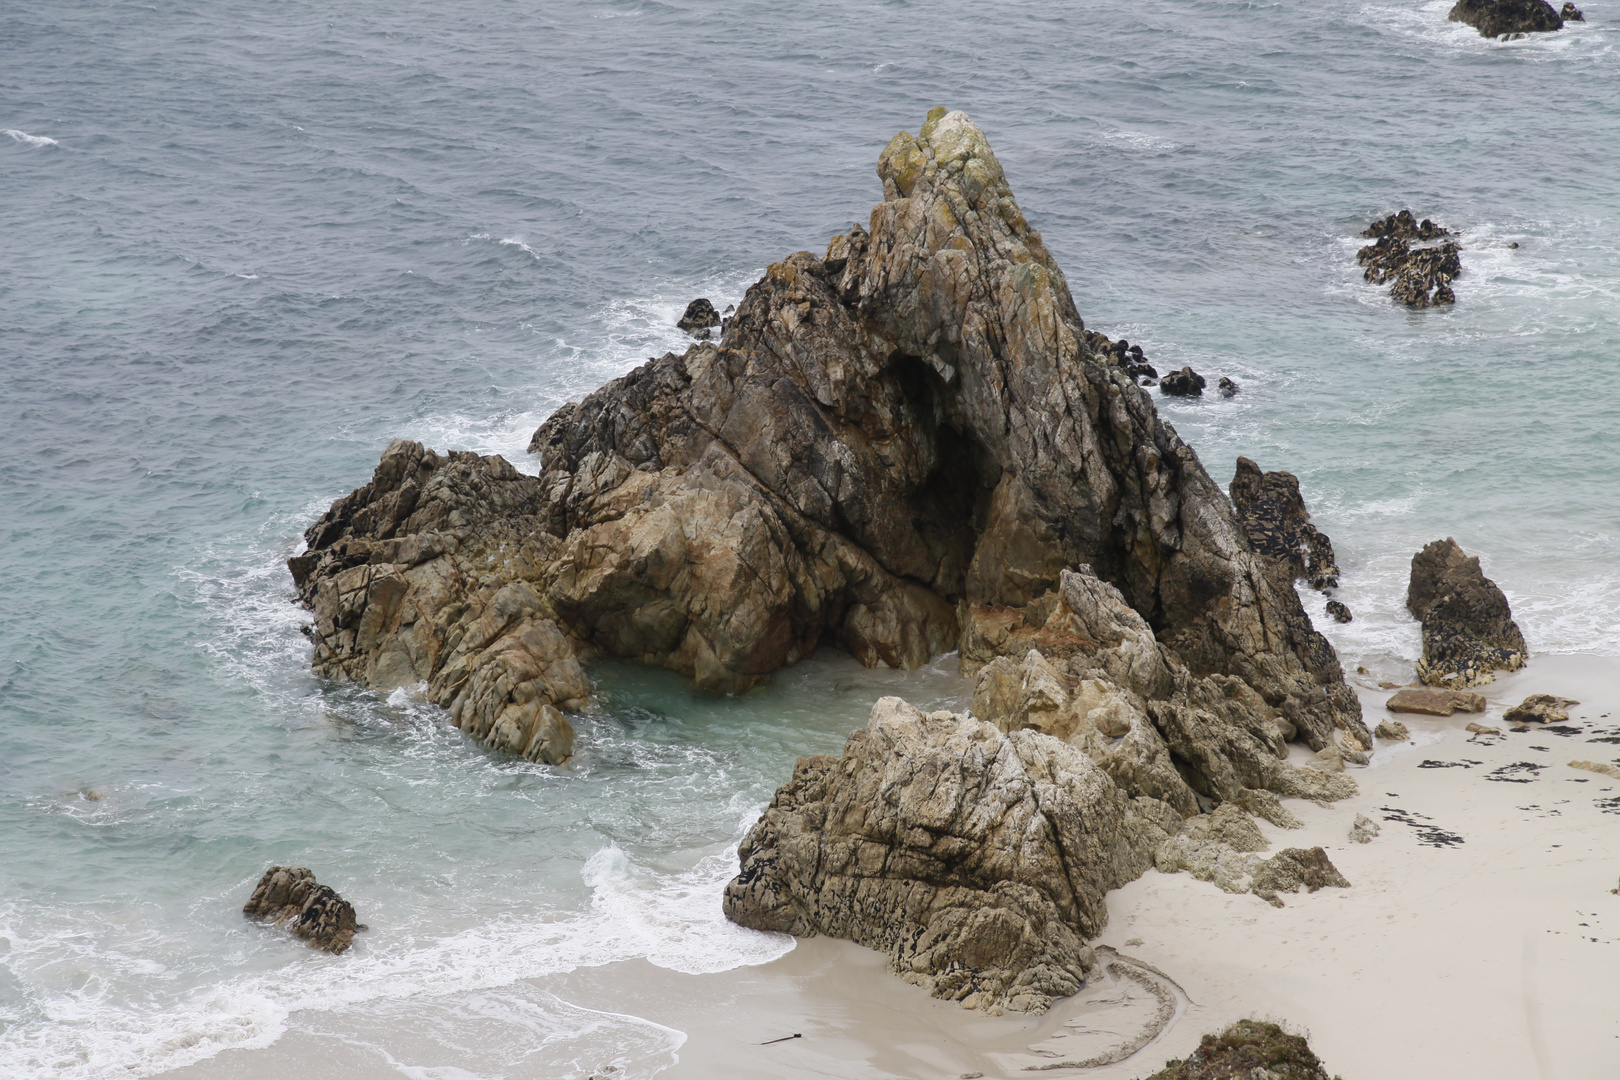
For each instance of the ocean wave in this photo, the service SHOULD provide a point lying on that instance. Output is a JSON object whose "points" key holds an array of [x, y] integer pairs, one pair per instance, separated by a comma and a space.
{"points": [[29, 140]]}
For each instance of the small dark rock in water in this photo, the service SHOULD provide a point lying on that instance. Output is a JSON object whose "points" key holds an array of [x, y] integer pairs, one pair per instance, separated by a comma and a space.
{"points": [[1422, 275], [1183, 383], [1571, 13], [1247, 1049], [318, 914], [699, 318], [1500, 18], [1339, 611], [1228, 387]]}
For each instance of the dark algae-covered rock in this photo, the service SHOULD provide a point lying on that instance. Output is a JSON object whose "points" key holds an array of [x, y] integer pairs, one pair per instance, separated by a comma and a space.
{"points": [[1419, 258], [314, 912], [699, 318], [1468, 629], [1183, 383], [1494, 18], [1279, 527], [1571, 13], [1248, 1050]]}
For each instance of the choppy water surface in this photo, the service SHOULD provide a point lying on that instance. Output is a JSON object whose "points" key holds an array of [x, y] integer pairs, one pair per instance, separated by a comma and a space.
{"points": [[246, 245]]}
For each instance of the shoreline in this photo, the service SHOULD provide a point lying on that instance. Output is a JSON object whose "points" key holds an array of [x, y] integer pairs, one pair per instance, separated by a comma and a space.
{"points": [[1468, 959]]}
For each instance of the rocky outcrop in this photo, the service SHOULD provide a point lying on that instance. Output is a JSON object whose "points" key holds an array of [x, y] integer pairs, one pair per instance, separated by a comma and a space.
{"points": [[1228, 388], [1571, 13], [1494, 18], [1338, 611], [896, 447], [1248, 1050], [698, 318], [1468, 629], [316, 913], [433, 574], [1421, 276], [1183, 383], [977, 860], [1279, 527]]}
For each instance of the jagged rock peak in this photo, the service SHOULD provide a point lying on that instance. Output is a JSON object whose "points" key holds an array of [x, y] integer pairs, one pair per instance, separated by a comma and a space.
{"points": [[894, 448]]}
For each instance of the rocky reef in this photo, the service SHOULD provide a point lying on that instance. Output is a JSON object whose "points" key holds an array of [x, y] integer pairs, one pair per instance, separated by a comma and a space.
{"points": [[1500, 18], [907, 445], [314, 912], [1468, 629], [1421, 276]]}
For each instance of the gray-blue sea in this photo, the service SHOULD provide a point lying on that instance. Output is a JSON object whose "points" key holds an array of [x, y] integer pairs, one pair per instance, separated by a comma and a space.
{"points": [[245, 245]]}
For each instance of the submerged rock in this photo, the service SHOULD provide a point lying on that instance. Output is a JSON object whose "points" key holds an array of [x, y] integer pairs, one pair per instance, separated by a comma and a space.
{"points": [[316, 912], [1468, 629], [1493, 18], [1279, 528], [1248, 1050], [699, 318], [1540, 709]]}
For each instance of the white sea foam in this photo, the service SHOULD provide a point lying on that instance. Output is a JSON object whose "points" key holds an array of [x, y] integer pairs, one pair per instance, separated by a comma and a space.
{"points": [[29, 140]]}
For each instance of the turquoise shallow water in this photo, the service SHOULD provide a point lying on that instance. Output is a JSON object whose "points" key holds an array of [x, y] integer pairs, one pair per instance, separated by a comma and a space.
{"points": [[244, 247]]}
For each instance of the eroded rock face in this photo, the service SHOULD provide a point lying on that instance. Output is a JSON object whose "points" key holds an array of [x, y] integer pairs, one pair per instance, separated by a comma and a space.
{"points": [[315, 912], [977, 860], [1468, 629], [1493, 18], [433, 574]]}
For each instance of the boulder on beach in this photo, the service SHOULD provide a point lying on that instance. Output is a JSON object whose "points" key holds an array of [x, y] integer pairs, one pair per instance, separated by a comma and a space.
{"points": [[1468, 629], [314, 912], [1494, 18], [1392, 731], [1540, 709], [1434, 701], [699, 317], [1248, 1050]]}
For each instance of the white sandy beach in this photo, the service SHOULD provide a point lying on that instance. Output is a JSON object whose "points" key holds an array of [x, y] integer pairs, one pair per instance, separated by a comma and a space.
{"points": [[1494, 958]]}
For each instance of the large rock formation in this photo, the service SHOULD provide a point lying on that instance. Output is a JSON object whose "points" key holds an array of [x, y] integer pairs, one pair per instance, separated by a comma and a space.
{"points": [[1468, 629], [896, 448], [1421, 275], [977, 860], [1494, 18]]}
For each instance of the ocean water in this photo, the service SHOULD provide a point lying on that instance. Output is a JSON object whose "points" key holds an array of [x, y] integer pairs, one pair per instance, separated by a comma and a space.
{"points": [[243, 246]]}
